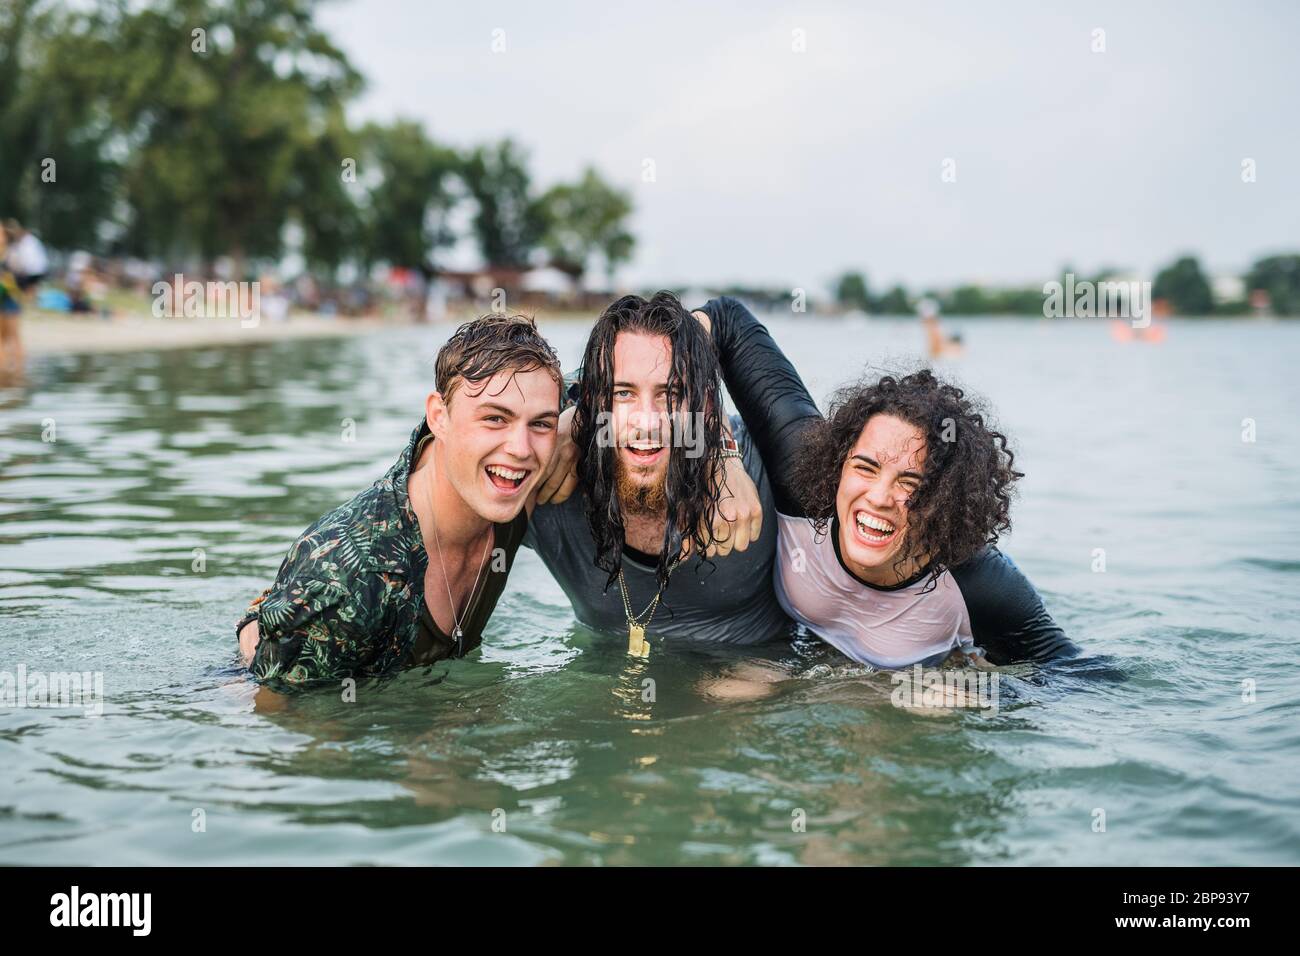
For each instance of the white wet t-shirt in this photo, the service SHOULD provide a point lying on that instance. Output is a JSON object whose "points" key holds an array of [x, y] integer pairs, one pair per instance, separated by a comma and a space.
{"points": [[885, 627]]}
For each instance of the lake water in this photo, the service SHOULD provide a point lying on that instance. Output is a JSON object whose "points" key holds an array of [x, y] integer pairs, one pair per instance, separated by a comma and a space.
{"points": [[540, 748]]}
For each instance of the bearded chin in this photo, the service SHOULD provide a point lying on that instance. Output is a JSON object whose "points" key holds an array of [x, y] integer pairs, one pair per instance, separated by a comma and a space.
{"points": [[638, 499]]}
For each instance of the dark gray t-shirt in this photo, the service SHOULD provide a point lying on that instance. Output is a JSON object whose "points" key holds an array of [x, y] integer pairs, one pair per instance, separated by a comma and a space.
{"points": [[732, 602]]}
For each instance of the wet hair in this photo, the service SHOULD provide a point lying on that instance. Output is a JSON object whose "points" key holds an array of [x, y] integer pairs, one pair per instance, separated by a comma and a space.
{"points": [[963, 501], [490, 344], [694, 388]]}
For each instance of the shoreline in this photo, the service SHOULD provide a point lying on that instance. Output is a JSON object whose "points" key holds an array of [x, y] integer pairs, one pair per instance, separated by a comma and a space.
{"points": [[49, 333], [54, 334]]}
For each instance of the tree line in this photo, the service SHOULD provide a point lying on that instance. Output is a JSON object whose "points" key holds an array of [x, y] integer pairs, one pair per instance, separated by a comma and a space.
{"points": [[1182, 284], [190, 130]]}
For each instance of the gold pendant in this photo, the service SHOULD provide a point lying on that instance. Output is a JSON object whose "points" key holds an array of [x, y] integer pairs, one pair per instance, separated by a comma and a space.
{"points": [[636, 642]]}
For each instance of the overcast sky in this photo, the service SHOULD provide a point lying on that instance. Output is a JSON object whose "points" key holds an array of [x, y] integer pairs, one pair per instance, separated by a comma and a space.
{"points": [[784, 168]]}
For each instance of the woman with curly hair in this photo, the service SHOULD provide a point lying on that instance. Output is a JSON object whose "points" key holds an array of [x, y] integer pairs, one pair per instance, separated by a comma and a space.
{"points": [[888, 511]]}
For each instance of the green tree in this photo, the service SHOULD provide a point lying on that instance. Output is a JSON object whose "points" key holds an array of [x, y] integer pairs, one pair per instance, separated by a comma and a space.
{"points": [[1279, 276], [411, 196], [967, 300], [508, 221], [1185, 287], [851, 291], [327, 204], [224, 107], [60, 177], [894, 302], [586, 219]]}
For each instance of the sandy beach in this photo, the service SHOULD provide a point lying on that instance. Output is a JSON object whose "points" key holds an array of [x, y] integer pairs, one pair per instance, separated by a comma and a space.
{"points": [[46, 333]]}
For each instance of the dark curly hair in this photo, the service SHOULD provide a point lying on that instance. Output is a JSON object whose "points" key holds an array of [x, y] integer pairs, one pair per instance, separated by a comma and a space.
{"points": [[963, 501], [694, 387]]}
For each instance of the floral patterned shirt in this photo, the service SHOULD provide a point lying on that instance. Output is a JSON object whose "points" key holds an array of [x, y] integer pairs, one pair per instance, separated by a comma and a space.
{"points": [[347, 598]]}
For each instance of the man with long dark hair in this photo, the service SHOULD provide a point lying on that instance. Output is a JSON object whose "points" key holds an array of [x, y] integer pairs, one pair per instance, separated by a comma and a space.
{"points": [[664, 535]]}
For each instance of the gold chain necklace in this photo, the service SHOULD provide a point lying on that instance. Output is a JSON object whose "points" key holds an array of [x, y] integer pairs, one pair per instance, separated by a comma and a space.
{"points": [[457, 634], [636, 642]]}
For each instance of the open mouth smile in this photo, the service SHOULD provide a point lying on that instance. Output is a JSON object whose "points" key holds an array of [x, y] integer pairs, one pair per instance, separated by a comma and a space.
{"points": [[872, 531], [644, 451], [505, 480]]}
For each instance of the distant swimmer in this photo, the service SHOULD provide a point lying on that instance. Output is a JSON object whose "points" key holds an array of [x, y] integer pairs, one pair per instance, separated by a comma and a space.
{"points": [[1123, 331], [938, 344]]}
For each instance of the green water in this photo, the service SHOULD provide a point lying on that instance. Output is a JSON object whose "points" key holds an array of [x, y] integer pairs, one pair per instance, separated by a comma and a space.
{"points": [[541, 748]]}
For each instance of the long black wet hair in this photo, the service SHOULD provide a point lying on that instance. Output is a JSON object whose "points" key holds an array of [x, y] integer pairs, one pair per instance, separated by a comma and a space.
{"points": [[694, 388], [963, 501]]}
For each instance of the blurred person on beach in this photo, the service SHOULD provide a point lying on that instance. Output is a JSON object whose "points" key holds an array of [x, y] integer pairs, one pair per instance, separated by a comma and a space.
{"points": [[409, 571], [86, 286], [275, 302], [11, 344], [26, 257]]}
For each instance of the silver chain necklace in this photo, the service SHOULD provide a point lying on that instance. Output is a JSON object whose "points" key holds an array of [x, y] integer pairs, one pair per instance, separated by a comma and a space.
{"points": [[457, 634]]}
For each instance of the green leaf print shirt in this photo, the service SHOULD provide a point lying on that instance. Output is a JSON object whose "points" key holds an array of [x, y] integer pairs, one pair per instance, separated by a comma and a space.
{"points": [[349, 596]]}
